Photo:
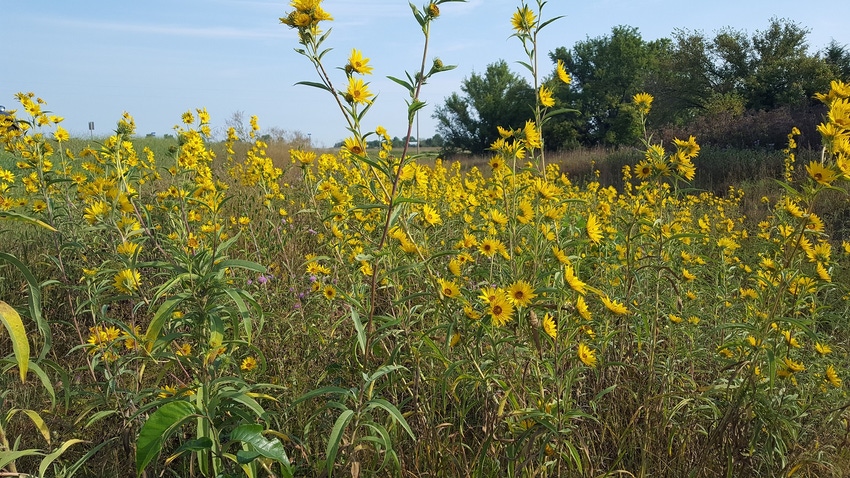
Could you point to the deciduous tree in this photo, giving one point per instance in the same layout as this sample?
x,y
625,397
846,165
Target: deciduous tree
x,y
499,97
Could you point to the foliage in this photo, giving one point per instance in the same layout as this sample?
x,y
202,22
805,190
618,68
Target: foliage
x,y
499,97
695,78
607,71
212,310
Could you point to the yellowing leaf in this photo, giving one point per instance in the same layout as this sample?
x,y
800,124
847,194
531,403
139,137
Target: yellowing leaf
x,y
20,345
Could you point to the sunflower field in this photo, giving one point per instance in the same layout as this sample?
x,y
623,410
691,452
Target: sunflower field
x,y
206,309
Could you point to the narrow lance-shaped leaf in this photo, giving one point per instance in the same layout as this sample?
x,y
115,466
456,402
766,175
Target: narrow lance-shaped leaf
x,y
20,345
49,459
314,85
336,436
23,218
34,301
162,314
401,82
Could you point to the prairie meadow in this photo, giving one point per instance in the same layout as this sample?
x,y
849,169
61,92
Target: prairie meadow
x,y
192,307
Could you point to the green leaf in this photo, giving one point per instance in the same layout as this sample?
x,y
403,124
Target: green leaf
x,y
47,460
336,437
236,296
320,391
371,162
314,85
558,111
30,220
162,314
20,345
574,455
244,457
72,470
547,22
383,370
415,106
242,264
527,66
420,18
248,401
198,444
158,428
394,413
401,82
46,381
361,331
216,327
99,416
252,434
401,199
7,457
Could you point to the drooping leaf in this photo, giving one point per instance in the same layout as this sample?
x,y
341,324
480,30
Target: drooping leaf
x,y
39,423
158,428
198,444
401,82
330,389
23,218
50,458
8,456
252,434
314,85
361,331
394,413
46,381
34,301
20,345
242,264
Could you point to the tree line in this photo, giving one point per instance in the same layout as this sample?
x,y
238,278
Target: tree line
x,y
730,89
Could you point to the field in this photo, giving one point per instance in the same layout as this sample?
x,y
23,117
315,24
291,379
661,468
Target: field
x,y
193,307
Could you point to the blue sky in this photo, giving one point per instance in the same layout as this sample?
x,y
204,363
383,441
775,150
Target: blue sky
x,y
93,59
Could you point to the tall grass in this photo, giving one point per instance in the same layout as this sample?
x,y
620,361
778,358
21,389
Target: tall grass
x,y
260,308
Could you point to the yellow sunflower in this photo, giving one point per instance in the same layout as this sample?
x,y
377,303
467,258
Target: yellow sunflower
x,y
586,355
521,293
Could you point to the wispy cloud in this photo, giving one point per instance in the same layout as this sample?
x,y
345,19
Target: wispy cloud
x,y
466,7
172,30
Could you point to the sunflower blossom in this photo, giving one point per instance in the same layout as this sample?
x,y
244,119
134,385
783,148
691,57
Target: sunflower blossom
x,y
614,306
523,20
358,92
521,293
549,326
127,281
594,230
501,310
562,73
358,64
546,98
643,102
832,377
586,355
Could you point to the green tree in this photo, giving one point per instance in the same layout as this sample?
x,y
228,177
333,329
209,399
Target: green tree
x,y
684,81
783,72
837,57
607,71
497,98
